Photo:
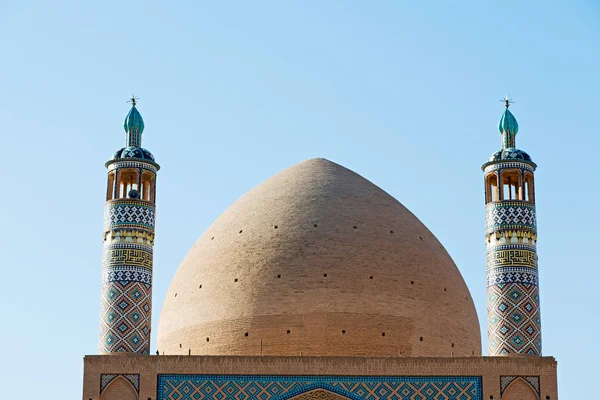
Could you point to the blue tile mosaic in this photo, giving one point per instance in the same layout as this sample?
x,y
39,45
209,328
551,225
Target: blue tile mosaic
x,y
246,387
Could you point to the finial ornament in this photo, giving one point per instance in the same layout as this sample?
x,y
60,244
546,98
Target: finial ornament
x,y
507,101
133,100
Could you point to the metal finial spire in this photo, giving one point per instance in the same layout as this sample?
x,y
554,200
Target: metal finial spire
x,y
133,100
507,101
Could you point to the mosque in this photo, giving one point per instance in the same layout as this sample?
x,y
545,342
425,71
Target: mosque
x,y
317,284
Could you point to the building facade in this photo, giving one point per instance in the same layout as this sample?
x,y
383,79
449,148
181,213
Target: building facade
x,y
317,284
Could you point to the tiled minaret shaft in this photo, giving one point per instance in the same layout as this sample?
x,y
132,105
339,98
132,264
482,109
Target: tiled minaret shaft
x,y
126,305
513,300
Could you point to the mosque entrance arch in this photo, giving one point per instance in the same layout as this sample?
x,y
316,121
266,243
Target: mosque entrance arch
x,y
119,389
519,389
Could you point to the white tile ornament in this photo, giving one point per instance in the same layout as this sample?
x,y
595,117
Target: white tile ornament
x,y
123,213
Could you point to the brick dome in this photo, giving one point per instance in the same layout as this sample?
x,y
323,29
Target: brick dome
x,y
319,261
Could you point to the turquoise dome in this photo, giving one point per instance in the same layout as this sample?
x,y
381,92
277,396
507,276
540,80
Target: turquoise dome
x,y
134,124
508,123
510,154
133,152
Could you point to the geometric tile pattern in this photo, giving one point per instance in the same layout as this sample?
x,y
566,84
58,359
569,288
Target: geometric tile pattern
x,y
245,387
533,381
507,215
126,273
513,301
128,213
514,324
106,379
125,317
503,275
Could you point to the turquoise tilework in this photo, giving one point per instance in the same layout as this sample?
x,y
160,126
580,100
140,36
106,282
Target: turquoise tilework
x,y
244,387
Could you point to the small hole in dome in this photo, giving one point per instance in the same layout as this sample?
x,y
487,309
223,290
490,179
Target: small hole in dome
x,y
246,334
445,290
179,345
420,238
371,277
241,231
412,282
207,339
288,331
473,352
343,331
382,333
391,231
421,338
235,280
279,276
547,397
315,225
199,286
491,397
355,227
212,238
275,227
325,275
452,344
175,294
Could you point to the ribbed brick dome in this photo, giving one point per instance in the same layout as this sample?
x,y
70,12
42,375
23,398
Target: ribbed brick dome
x,y
318,261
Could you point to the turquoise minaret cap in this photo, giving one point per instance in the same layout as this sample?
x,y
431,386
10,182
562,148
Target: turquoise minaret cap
x,y
508,127
134,126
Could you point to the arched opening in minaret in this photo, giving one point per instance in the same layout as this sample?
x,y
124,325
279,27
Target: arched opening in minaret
x,y
491,188
128,183
528,187
147,189
511,185
131,183
110,187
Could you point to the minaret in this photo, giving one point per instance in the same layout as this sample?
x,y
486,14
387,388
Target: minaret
x,y
510,229
126,305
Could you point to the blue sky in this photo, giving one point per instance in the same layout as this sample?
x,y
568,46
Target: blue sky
x,y
404,93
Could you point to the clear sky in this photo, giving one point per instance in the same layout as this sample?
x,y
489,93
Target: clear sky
x,y
404,93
